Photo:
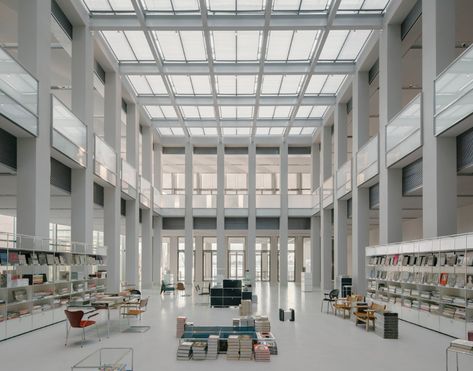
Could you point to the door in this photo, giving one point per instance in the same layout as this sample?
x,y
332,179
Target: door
x,y
236,263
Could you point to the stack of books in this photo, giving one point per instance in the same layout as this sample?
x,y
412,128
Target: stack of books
x,y
198,350
233,347
246,348
262,324
180,325
184,351
245,308
236,322
262,353
247,321
212,347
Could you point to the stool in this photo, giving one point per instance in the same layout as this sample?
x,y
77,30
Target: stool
x,y
287,315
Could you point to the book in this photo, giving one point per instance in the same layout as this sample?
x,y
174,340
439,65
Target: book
x,y
469,281
22,259
451,259
13,258
42,258
50,259
443,280
3,258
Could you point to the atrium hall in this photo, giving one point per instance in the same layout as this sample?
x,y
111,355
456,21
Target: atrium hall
x,y
236,181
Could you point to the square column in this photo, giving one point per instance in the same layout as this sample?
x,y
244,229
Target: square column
x,y
390,93
158,221
340,206
132,206
283,218
273,256
147,213
439,166
299,256
251,255
188,219
33,154
82,180
221,248
112,205
315,258
360,196
326,213
199,259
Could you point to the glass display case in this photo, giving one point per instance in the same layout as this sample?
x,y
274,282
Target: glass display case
x,y
107,359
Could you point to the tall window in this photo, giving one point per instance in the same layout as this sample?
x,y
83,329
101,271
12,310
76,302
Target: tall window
x,y
236,257
166,259
291,258
210,258
263,258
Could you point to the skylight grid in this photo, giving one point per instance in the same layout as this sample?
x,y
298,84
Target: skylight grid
x,y
344,45
362,6
232,6
128,45
270,112
173,131
181,46
171,6
197,112
205,131
240,131
236,84
299,130
305,112
291,45
301,5
325,84
236,112
232,46
281,84
147,85
109,6
273,131
156,112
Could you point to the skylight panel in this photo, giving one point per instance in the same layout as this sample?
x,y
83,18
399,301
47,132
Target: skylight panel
x,y
210,131
316,84
303,44
165,131
266,111
354,43
301,130
119,45
111,5
227,112
154,112
375,4
246,84
350,4
177,131
190,112
182,85
207,112
140,45
303,111
235,6
333,44
185,5
282,111
314,5
140,85
287,5
262,131
157,84
290,84
295,130
229,131
356,6
194,45
277,130
201,85
226,84
169,112
169,44
307,131
278,45
236,45
318,111
224,45
300,5
196,131
157,5
97,5
248,45
332,84
271,84
244,111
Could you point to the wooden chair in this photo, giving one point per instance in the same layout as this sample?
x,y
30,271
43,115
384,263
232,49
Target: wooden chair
x,y
134,309
74,320
346,304
367,313
329,298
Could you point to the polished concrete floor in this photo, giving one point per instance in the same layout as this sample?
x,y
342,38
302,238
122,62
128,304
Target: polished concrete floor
x,y
316,341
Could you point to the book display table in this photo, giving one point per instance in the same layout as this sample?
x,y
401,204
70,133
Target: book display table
x,y
107,359
458,347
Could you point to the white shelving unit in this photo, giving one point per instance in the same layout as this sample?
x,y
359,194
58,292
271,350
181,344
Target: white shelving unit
x,y
39,278
427,282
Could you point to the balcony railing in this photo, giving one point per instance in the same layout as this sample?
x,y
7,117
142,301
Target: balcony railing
x,y
344,179
156,199
300,201
69,135
404,132
204,201
327,192
239,201
172,201
316,200
454,92
145,192
367,161
105,161
18,94
128,179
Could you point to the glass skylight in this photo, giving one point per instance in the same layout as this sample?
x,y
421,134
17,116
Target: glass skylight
x,y
301,5
190,85
112,6
302,130
344,44
147,85
291,45
274,112
233,6
235,45
311,111
275,130
236,112
236,84
128,45
363,6
171,131
196,112
236,131
157,112
281,84
174,6
325,84
196,131
181,45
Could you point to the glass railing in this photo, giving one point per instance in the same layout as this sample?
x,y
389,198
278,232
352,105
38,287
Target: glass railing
x,y
128,179
172,201
237,201
204,201
403,132
316,200
454,92
145,192
344,179
156,200
69,133
105,161
18,94
367,161
300,201
327,192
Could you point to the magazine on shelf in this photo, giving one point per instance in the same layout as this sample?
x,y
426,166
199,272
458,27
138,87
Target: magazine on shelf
x,y
443,280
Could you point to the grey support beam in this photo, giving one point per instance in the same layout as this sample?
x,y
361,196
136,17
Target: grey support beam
x,y
147,213
188,219
251,255
221,248
283,218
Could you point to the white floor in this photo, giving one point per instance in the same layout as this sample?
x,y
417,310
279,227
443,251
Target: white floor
x,y
316,341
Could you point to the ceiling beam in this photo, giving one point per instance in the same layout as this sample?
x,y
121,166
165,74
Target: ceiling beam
x,y
193,22
235,100
202,68
237,123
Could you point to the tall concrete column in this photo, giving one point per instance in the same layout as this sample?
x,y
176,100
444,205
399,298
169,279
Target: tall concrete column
x,y
283,218
251,257
82,180
173,251
315,257
132,223
221,248
112,193
360,196
274,259
33,154
189,220
390,91
326,213
147,213
199,259
340,206
439,192
299,256
158,221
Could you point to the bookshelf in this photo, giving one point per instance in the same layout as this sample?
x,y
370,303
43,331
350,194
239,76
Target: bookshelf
x,y
427,282
38,278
